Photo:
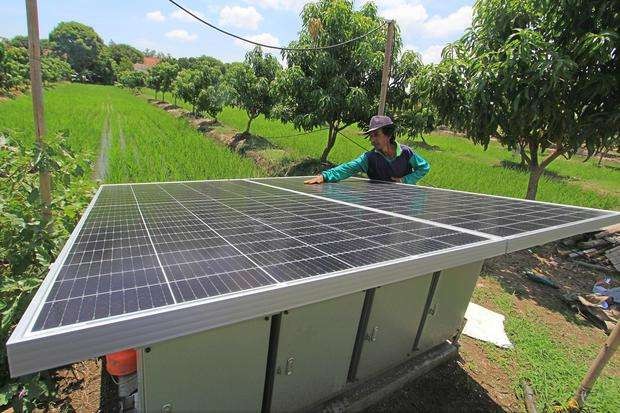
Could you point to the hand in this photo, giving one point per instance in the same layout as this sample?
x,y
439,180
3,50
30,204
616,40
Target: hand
x,y
399,180
316,180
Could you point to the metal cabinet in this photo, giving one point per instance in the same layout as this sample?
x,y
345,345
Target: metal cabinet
x,y
314,351
217,370
449,303
392,325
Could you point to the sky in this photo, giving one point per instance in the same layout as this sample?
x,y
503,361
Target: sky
x,y
426,26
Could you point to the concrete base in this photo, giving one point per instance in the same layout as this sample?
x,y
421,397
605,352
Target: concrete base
x,y
361,395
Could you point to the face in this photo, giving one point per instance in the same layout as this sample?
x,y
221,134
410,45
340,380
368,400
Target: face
x,y
379,140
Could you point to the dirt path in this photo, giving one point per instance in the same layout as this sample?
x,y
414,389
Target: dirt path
x,y
121,135
101,166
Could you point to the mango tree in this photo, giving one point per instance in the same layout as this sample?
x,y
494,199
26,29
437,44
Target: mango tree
x,y
202,89
250,84
161,76
538,76
410,109
336,87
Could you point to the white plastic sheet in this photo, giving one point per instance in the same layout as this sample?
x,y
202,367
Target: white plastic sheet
x,y
486,325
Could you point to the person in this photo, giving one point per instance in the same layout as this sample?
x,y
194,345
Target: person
x,y
389,161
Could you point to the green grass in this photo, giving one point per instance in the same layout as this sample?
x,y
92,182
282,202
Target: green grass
x,y
551,361
78,110
154,146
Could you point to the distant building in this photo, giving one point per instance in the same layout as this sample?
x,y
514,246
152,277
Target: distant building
x,y
146,64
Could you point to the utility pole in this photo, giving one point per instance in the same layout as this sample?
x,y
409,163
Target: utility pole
x,y
36,86
608,350
387,65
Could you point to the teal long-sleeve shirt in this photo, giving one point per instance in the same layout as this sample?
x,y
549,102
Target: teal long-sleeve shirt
x,y
419,166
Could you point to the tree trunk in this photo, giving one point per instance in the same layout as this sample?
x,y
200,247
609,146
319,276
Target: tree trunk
x,y
247,127
331,140
532,185
523,155
600,160
163,95
537,169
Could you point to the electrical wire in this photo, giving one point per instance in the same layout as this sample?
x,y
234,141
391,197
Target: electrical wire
x,y
287,49
297,134
366,149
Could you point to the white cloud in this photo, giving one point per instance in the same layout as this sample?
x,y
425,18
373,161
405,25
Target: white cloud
x,y
181,35
156,16
454,23
184,17
264,38
407,15
432,54
242,17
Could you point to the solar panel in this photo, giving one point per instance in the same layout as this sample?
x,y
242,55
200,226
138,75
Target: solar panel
x,y
167,259
513,219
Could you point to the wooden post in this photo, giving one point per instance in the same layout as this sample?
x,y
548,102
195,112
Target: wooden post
x,y
387,65
603,357
36,86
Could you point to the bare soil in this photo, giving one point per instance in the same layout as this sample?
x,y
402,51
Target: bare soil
x,y
101,166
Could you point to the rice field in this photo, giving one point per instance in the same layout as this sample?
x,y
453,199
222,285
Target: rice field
x,y
132,140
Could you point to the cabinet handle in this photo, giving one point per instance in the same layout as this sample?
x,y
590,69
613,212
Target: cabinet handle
x,y
373,335
432,310
290,362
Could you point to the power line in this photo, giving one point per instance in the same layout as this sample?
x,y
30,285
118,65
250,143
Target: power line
x,y
297,134
288,49
366,149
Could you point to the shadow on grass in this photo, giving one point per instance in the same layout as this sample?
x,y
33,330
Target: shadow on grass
x,y
518,167
422,145
244,142
448,388
307,167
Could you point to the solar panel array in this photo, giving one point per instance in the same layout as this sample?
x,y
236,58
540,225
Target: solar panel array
x,y
490,215
148,246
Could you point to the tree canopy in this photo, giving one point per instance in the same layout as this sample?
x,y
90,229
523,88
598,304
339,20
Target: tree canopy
x,y
202,89
251,84
161,76
335,87
80,45
411,110
537,75
120,51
